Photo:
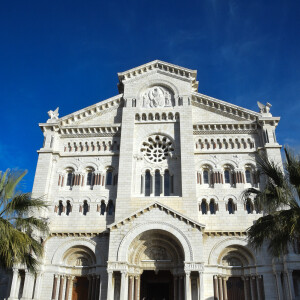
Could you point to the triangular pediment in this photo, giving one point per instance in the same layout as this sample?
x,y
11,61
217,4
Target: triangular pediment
x,y
160,66
221,110
101,113
160,206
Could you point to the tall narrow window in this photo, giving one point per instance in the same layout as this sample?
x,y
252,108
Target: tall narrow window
x,y
248,176
230,206
69,208
90,178
205,177
147,183
249,207
227,176
70,179
172,184
60,208
204,207
157,183
85,208
110,207
167,183
102,208
212,207
109,178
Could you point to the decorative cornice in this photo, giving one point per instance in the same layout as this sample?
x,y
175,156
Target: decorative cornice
x,y
161,206
224,233
78,234
181,72
224,128
224,108
89,112
90,131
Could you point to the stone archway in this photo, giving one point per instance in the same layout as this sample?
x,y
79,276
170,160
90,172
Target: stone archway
x,y
160,258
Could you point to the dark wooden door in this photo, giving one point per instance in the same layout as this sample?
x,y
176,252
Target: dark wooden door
x,y
80,288
235,288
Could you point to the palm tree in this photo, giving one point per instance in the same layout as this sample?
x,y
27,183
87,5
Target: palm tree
x,y
280,225
19,228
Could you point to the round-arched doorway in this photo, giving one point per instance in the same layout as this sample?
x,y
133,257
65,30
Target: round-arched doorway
x,y
160,258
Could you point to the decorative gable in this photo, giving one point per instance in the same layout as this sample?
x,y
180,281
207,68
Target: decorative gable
x,y
155,205
160,66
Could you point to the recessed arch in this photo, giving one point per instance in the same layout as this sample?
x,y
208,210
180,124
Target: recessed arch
x,y
161,226
219,249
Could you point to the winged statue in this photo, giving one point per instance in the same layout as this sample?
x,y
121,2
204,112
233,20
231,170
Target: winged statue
x,y
53,114
264,109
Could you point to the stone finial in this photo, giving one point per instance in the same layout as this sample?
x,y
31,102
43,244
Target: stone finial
x,y
264,109
53,115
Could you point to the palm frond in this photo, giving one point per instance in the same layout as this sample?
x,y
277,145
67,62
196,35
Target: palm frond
x,y
19,227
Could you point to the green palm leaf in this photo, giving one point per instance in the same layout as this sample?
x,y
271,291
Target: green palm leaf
x,y
20,229
279,200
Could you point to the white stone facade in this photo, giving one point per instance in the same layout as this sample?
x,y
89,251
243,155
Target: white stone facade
x,y
150,182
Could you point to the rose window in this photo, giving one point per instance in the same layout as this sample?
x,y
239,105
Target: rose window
x,y
157,148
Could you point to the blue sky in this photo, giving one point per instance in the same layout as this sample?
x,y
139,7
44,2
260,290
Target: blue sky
x,y
67,54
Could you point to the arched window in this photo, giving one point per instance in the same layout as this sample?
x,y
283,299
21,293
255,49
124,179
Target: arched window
x,y
70,178
248,176
205,177
230,206
69,208
85,208
109,177
110,207
147,183
249,206
204,207
90,180
102,208
60,208
167,183
212,207
157,183
227,176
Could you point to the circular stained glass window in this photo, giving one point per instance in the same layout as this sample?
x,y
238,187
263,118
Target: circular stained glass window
x,y
157,148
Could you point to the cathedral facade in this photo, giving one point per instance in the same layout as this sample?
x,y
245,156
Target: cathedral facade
x,y
145,194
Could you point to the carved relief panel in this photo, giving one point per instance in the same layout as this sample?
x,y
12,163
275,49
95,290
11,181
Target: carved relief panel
x,y
157,96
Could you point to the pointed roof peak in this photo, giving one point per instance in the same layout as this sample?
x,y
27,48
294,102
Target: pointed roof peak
x,y
156,204
162,66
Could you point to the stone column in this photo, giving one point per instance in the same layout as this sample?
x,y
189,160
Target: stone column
x,y
216,294
220,288
93,287
258,288
279,285
110,286
175,287
69,281
130,287
253,288
27,285
224,280
162,182
188,285
123,294
61,288
14,283
201,286
97,292
37,286
289,275
54,287
136,287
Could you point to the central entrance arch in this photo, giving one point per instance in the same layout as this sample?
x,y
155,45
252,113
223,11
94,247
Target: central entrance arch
x,y
160,258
